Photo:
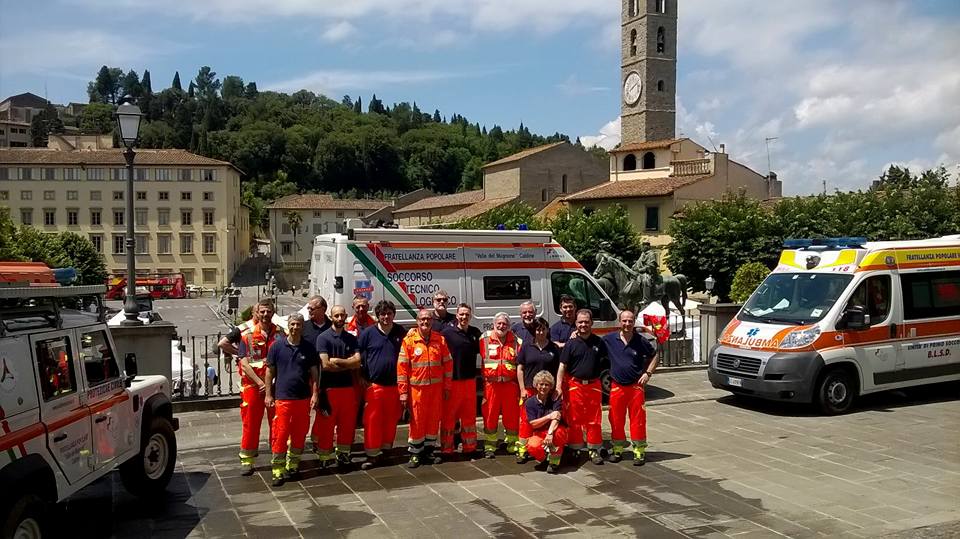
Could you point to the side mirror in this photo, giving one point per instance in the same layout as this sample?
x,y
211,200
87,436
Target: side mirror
x,y
130,367
854,318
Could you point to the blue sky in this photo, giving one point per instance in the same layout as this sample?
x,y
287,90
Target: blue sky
x,y
846,87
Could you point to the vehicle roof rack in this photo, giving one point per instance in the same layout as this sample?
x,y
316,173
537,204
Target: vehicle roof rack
x,y
49,312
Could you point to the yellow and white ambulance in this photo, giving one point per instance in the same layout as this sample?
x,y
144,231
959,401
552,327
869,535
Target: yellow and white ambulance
x,y
491,270
843,317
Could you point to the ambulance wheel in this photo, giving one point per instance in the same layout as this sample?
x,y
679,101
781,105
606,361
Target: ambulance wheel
x,y
835,392
148,473
25,519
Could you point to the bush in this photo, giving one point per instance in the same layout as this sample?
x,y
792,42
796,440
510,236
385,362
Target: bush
x,y
746,280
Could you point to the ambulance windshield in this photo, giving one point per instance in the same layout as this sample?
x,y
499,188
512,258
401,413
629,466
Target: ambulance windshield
x,y
794,298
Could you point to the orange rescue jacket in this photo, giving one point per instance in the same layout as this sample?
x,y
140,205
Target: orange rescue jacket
x,y
499,358
424,362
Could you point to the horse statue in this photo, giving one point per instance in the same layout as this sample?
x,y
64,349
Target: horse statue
x,y
626,286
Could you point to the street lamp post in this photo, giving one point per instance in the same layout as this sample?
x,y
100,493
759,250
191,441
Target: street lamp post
x,y
128,124
709,283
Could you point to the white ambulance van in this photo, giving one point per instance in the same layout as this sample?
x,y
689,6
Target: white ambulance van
x,y
491,270
68,413
844,317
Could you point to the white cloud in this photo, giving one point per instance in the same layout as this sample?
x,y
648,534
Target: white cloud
x,y
339,32
574,87
608,137
332,81
53,51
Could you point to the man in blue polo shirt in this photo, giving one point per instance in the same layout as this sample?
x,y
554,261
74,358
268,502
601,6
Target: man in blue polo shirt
x,y
379,349
292,389
581,362
339,360
566,327
632,362
526,328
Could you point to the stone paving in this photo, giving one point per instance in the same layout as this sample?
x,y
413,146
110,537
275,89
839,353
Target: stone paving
x,y
717,467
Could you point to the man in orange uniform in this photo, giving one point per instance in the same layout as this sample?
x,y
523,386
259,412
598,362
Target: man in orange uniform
x,y
339,361
501,392
292,369
463,341
361,318
252,353
424,380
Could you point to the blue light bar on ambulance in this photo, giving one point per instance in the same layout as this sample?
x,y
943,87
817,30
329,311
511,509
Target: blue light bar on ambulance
x,y
825,243
65,276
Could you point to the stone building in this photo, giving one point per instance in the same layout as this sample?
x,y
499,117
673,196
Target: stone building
x,y
187,212
535,177
654,173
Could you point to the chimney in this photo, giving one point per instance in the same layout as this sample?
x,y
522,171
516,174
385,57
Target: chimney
x,y
723,148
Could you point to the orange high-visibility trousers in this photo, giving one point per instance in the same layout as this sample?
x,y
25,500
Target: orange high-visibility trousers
x,y
380,417
500,399
291,422
627,399
536,448
425,403
342,418
584,413
461,406
252,410
525,429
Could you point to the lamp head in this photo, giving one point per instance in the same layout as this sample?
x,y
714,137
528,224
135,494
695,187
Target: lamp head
x,y
128,123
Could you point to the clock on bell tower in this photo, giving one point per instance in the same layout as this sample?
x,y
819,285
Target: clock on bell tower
x,y
648,68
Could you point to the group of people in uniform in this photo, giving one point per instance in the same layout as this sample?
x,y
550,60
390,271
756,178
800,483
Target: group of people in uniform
x,y
541,382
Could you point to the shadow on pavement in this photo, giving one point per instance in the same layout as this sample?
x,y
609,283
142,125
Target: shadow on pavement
x,y
883,401
652,393
106,509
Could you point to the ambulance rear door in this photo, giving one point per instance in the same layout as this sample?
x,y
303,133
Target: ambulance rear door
x,y
502,276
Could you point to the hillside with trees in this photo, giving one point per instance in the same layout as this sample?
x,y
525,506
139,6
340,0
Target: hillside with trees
x,y
308,142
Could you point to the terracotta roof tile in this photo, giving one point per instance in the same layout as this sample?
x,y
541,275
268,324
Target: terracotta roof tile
x,y
479,208
443,201
114,157
312,201
648,145
525,153
648,187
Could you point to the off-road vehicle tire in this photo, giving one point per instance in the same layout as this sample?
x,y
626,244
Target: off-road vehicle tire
x,y
148,473
25,518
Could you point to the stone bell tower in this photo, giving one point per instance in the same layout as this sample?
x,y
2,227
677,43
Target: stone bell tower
x,y
648,69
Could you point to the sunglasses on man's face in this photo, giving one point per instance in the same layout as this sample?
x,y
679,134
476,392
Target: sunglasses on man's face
x,y
440,300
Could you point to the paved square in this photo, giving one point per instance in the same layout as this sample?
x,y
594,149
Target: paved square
x,y
716,467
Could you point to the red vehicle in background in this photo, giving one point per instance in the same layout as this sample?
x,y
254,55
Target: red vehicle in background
x,y
159,286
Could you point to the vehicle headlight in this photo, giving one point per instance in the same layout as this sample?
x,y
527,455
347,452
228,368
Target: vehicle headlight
x,y
800,338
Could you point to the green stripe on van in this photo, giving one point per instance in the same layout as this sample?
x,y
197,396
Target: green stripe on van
x,y
391,287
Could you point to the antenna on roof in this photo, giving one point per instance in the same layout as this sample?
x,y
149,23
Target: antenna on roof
x,y
767,142
712,144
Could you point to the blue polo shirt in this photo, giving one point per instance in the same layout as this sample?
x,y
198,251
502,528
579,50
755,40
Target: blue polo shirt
x,y
584,358
378,354
292,364
311,330
536,409
628,361
464,348
524,334
562,330
535,359
343,345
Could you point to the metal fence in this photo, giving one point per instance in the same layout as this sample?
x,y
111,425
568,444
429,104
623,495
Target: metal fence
x,y
200,370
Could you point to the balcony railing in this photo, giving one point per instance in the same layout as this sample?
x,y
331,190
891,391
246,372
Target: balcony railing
x,y
691,167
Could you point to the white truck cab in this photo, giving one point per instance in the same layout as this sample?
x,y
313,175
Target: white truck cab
x,y
843,317
69,413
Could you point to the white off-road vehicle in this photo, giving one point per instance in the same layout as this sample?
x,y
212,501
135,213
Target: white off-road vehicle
x,y
68,414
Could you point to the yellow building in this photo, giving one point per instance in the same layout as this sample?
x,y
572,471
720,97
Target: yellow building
x,y
187,212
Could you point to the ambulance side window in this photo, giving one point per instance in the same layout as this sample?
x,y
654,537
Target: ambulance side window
x,y
55,365
584,292
98,359
507,287
930,295
874,295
